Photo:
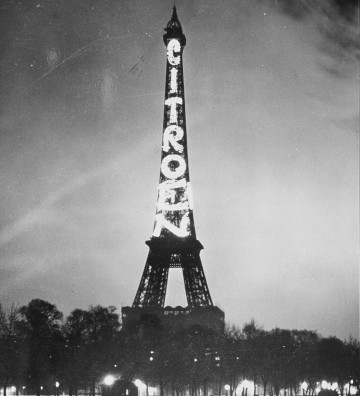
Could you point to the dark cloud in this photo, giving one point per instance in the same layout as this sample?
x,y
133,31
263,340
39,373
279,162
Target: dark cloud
x,y
341,38
299,9
294,8
348,9
337,21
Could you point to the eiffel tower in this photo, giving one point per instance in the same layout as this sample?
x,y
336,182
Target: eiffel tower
x,y
173,243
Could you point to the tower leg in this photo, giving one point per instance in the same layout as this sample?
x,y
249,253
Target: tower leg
x,y
197,291
152,288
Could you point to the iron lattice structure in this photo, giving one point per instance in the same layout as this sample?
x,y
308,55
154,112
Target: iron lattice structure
x,y
173,243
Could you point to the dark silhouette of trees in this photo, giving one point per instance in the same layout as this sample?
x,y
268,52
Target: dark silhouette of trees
x,y
76,329
306,364
233,360
253,351
13,348
91,340
37,349
41,322
336,360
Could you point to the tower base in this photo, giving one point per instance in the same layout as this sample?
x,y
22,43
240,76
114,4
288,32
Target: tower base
x,y
135,319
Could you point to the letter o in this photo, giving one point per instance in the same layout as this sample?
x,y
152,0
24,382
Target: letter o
x,y
173,173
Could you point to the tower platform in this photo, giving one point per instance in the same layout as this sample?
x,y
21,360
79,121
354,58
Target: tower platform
x,y
135,318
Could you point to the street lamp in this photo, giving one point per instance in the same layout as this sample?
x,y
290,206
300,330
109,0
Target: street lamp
x,y
140,386
227,388
109,380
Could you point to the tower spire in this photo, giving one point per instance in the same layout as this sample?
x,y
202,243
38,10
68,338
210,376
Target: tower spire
x,y
173,29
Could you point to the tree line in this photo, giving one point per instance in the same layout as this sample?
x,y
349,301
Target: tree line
x,y
43,353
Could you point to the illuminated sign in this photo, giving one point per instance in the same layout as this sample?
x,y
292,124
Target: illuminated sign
x,y
172,134
173,47
173,80
172,102
174,199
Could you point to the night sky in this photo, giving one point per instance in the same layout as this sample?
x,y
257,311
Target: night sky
x,y
272,97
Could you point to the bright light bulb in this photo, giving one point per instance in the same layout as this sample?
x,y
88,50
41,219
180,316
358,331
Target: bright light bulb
x,y
109,380
304,386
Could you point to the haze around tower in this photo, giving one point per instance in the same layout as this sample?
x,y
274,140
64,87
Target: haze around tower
x,y
272,118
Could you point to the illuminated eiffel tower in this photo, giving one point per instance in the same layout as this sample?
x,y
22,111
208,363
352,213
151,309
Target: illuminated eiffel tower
x,y
173,243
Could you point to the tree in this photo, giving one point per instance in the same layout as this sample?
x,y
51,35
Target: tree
x,y
41,322
338,361
76,329
91,340
281,347
234,357
13,349
253,334
353,363
306,365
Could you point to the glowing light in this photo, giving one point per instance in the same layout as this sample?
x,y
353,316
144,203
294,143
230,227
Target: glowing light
x,y
190,196
246,384
350,388
173,80
172,102
172,135
167,193
172,47
304,386
325,384
334,386
109,380
151,390
161,222
227,387
174,207
57,384
138,383
172,172
174,193
13,388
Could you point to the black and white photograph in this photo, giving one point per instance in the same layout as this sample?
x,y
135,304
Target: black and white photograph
x,y
179,200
